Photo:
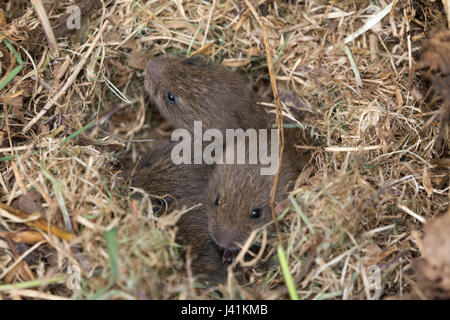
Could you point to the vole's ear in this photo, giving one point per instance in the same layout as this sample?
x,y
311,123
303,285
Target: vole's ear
x,y
195,61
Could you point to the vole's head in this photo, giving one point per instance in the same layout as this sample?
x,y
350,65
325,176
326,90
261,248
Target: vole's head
x,y
192,89
237,201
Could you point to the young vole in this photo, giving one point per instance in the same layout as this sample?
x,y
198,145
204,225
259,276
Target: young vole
x,y
205,255
159,176
192,89
181,186
237,201
236,197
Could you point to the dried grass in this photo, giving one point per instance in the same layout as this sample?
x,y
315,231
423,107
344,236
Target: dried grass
x,y
373,179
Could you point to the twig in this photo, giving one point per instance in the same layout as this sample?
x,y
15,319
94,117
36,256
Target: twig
x,y
68,83
208,23
48,31
39,223
19,260
279,118
369,24
122,140
412,213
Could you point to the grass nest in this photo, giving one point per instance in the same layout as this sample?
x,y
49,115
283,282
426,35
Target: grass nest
x,y
376,101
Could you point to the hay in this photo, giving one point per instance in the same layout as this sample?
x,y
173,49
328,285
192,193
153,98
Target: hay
x,y
373,179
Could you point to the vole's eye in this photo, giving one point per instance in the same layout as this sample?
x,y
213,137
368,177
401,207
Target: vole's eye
x,y
256,213
216,202
171,97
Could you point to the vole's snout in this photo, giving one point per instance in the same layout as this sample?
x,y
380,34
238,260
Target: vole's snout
x,y
226,239
154,69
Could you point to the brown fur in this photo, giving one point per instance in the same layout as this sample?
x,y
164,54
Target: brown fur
x,y
181,185
234,191
239,190
206,256
221,99
159,176
203,91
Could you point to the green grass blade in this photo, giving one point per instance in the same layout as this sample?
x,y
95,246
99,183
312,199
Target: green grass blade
x,y
33,283
302,215
57,189
7,158
353,65
76,133
286,273
16,70
111,244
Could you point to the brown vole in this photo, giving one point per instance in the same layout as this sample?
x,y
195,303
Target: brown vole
x,y
181,186
159,176
206,256
237,201
192,89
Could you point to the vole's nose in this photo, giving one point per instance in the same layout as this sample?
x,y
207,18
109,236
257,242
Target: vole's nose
x,y
154,69
227,238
